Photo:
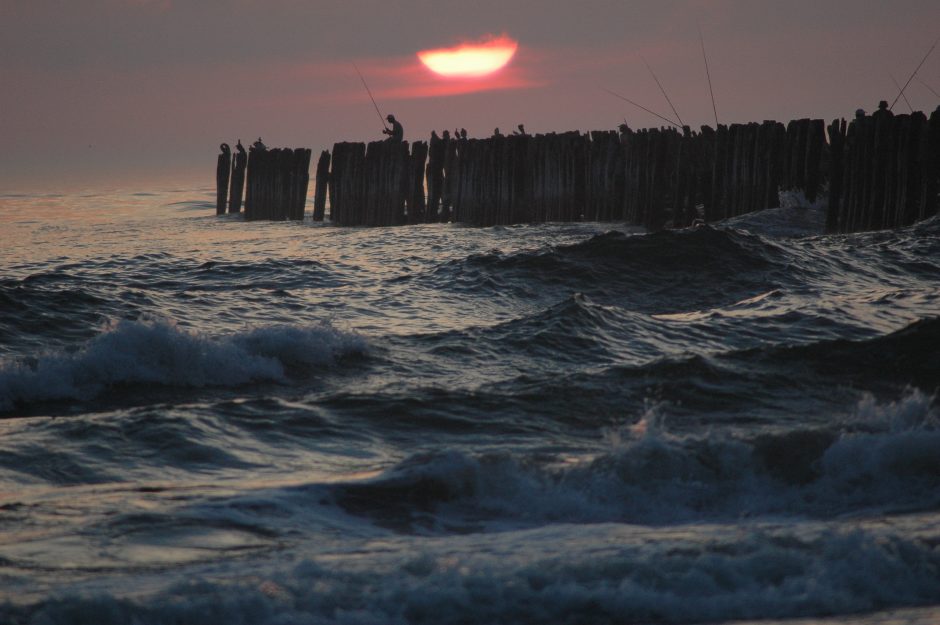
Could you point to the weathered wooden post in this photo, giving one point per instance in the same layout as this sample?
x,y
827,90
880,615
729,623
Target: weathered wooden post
x,y
834,213
320,186
415,183
931,159
222,172
237,186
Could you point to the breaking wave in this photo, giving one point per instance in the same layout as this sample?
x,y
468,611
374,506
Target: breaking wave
x,y
158,352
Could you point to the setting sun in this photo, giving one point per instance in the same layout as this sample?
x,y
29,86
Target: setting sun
x,y
470,59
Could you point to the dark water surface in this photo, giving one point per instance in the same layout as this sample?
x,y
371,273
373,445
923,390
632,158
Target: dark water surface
x,y
204,420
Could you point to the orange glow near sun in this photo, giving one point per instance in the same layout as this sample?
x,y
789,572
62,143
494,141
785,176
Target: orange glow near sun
x,y
470,60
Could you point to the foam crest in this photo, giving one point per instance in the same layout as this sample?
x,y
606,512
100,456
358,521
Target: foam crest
x,y
649,475
158,352
670,579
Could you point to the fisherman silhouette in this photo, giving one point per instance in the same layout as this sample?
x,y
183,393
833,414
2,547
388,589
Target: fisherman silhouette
x,y
396,132
259,145
882,112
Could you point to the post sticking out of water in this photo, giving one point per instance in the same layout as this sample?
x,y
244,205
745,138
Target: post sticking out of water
x,y
222,172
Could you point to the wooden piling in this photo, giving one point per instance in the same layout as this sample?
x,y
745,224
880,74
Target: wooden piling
x,y
222,173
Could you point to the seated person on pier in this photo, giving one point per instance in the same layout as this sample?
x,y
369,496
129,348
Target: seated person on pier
x,y
396,132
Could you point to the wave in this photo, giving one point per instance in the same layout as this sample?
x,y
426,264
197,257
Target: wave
x,y
670,270
885,457
796,217
617,575
158,352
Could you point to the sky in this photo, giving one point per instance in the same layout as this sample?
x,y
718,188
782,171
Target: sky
x,y
141,92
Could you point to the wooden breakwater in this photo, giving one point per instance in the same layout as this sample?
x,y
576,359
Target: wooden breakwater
x,y
880,171
887,171
658,177
274,182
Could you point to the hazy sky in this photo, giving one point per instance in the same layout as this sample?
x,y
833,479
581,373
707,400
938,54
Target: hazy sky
x,y
118,91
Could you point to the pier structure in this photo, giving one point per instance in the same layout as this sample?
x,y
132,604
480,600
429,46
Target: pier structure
x,y
878,171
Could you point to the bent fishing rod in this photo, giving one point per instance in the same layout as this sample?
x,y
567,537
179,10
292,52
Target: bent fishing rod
x,y
660,85
369,91
640,106
921,64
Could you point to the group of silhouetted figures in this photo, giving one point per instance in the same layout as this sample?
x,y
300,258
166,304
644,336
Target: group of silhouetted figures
x,y
397,132
241,154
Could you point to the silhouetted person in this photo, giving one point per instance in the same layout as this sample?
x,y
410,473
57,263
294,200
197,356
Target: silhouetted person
x,y
240,148
259,145
882,112
396,132
226,151
624,129
496,132
446,135
520,132
859,113
463,133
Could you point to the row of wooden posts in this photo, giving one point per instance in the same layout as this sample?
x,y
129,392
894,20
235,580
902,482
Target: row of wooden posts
x,y
276,187
881,171
657,177
890,168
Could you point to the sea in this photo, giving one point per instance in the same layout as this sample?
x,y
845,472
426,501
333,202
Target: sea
x,y
206,421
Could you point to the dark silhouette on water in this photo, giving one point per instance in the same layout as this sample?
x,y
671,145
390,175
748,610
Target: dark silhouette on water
x,y
222,174
236,188
396,133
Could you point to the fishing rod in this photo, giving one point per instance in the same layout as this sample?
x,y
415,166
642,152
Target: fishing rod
x,y
708,74
922,61
665,95
640,106
369,91
932,90
902,93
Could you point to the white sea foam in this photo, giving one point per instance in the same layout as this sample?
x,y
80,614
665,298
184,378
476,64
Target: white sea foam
x,y
795,217
599,574
886,457
158,352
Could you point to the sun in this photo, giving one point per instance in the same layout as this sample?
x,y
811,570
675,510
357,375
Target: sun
x,y
470,60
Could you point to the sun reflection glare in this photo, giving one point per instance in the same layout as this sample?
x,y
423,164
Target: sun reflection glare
x,y
470,59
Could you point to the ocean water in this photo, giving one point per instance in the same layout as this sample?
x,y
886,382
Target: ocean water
x,y
204,420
